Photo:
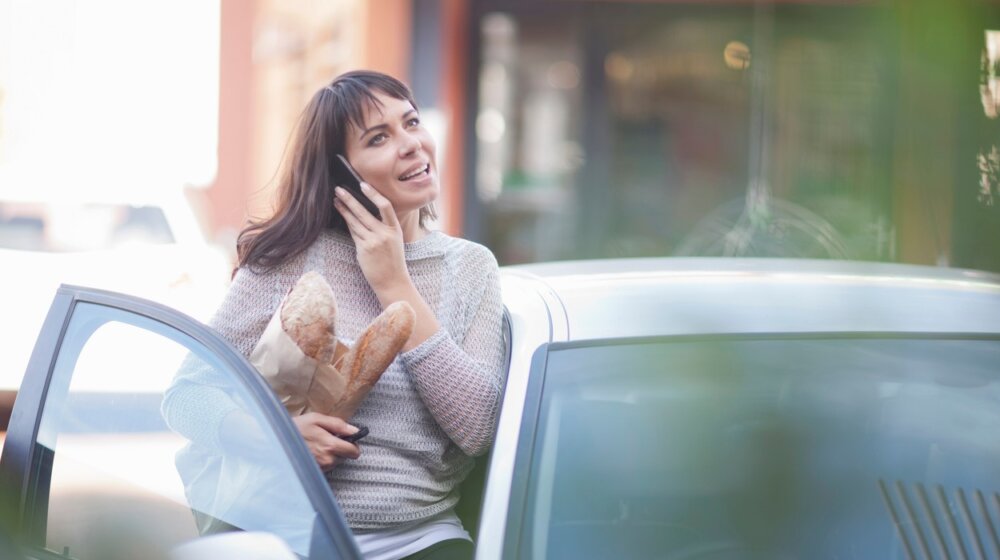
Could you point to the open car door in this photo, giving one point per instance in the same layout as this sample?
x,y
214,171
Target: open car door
x,y
123,444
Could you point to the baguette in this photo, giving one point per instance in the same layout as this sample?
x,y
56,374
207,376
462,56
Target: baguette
x,y
343,375
376,348
308,317
339,389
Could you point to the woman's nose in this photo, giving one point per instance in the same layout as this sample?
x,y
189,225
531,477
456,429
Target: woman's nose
x,y
411,143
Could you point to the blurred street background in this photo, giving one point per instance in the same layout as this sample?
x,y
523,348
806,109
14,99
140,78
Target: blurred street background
x,y
137,137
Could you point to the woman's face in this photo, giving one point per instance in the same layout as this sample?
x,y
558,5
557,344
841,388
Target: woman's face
x,y
395,154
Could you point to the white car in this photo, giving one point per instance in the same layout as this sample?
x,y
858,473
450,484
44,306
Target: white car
x,y
149,246
702,409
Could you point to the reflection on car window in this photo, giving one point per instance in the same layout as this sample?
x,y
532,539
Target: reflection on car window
x,y
777,448
124,484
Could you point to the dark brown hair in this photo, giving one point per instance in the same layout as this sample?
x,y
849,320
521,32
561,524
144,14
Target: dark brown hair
x,y
305,191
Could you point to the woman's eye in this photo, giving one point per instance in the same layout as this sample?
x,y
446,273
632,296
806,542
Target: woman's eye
x,y
413,122
377,139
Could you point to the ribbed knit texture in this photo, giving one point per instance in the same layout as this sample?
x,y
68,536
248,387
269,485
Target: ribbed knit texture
x,y
433,408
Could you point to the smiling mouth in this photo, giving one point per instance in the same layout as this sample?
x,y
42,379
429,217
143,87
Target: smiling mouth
x,y
418,173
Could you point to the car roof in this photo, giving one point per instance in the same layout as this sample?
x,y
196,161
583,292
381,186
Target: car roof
x,y
610,298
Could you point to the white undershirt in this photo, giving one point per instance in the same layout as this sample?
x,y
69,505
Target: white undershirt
x,y
396,543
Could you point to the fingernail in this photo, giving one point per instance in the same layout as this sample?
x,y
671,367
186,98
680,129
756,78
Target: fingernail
x,y
365,187
338,191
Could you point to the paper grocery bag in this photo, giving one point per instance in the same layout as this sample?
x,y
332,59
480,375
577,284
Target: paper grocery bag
x,y
301,383
328,391
286,367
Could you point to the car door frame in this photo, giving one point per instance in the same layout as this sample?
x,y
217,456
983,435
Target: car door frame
x,y
23,466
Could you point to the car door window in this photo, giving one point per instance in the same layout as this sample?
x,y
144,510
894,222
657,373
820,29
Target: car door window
x,y
766,447
151,441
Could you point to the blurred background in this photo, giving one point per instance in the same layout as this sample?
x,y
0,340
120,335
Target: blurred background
x,y
137,138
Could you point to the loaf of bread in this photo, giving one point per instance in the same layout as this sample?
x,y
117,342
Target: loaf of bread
x,y
343,375
339,389
308,315
376,348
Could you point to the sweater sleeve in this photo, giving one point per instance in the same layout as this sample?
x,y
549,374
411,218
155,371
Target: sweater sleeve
x,y
201,395
461,379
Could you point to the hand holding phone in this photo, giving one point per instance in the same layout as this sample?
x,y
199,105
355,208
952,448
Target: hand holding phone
x,y
346,177
353,438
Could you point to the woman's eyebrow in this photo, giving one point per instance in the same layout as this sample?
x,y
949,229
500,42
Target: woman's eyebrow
x,y
367,130
383,126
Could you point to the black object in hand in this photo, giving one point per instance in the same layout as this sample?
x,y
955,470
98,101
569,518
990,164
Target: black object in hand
x,y
362,432
346,177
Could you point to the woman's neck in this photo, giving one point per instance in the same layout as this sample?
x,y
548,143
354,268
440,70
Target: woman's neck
x,y
410,224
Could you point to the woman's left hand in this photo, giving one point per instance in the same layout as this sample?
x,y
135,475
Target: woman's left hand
x,y
379,242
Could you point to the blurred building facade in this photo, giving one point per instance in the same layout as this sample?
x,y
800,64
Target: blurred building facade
x,y
581,128
274,56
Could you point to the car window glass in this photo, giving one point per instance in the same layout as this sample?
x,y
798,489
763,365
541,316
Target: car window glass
x,y
781,448
135,474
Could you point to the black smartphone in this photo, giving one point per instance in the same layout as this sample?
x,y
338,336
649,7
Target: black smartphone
x,y
353,438
345,176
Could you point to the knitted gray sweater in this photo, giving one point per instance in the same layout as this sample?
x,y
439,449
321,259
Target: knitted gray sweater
x,y
433,408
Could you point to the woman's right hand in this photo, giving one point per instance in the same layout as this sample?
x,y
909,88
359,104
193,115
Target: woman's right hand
x,y
379,242
320,432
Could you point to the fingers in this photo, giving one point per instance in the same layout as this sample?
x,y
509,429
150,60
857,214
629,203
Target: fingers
x,y
320,434
343,449
332,424
385,208
354,207
357,229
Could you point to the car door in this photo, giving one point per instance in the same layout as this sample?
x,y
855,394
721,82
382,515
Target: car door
x,y
138,430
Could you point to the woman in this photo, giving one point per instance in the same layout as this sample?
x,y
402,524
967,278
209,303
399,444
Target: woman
x,y
435,407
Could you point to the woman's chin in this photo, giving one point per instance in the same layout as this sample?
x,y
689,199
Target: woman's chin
x,y
414,207
429,194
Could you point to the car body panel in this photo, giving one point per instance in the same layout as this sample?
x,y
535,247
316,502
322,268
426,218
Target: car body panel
x,y
628,298
644,297
534,313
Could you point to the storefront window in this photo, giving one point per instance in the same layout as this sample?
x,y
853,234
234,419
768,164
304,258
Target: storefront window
x,y
766,129
528,133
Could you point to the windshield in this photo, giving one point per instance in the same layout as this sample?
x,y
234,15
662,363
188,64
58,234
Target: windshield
x,y
763,448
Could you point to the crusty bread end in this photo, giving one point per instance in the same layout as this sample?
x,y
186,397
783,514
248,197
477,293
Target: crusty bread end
x,y
376,348
308,315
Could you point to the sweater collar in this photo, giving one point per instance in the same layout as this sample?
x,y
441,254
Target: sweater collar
x,y
431,245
